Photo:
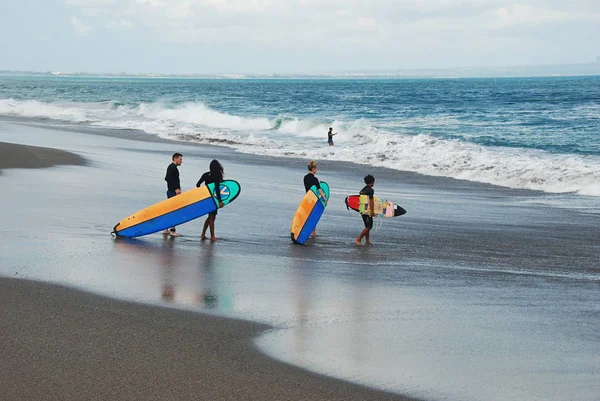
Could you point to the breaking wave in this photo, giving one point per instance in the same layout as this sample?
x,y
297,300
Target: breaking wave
x,y
358,141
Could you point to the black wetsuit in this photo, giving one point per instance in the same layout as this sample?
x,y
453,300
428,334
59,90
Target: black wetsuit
x,y
368,219
207,178
172,179
310,180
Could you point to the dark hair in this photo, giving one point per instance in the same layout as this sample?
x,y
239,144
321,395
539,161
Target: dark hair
x,y
369,179
216,170
176,155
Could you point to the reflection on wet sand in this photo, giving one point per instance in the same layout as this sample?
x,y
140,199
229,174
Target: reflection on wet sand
x,y
311,296
208,296
168,269
186,272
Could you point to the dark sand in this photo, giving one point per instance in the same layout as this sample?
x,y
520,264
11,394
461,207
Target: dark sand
x,y
62,344
519,322
23,156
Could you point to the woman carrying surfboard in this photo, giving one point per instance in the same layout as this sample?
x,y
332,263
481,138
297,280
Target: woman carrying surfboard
x,y
309,181
215,175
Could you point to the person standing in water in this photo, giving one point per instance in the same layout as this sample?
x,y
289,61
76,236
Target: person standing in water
x,y
215,175
330,135
309,181
367,218
173,184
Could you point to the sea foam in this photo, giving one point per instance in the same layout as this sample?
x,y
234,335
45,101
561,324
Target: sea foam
x,y
358,141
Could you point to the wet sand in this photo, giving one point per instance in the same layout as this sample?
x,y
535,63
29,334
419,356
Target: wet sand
x,y
25,156
62,344
477,293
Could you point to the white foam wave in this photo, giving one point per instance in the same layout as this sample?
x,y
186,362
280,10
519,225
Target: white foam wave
x,y
357,141
33,108
197,113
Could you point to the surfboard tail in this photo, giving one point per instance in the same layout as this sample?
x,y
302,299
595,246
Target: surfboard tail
x,y
114,232
294,239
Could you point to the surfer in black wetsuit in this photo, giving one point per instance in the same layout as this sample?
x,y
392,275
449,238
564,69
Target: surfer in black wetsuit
x,y
367,218
173,184
330,135
309,181
215,175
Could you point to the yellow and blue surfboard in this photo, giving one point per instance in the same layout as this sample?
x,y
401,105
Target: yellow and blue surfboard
x,y
177,210
308,214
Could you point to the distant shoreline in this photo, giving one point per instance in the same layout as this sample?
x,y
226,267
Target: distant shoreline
x,y
526,71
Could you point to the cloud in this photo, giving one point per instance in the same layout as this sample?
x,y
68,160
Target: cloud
x,y
120,25
391,27
81,29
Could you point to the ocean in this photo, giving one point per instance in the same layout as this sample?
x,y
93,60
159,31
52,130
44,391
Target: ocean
x,y
530,133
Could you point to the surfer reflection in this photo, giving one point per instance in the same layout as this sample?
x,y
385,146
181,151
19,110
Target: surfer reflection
x,y
207,297
301,292
152,256
168,269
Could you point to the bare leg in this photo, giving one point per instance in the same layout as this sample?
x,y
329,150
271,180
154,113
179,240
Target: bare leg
x,y
367,237
364,232
212,227
203,236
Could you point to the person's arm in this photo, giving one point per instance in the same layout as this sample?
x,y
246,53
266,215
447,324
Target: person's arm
x,y
201,180
218,191
321,192
177,182
372,205
323,195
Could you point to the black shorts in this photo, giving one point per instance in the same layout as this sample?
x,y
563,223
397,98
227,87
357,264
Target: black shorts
x,y
368,220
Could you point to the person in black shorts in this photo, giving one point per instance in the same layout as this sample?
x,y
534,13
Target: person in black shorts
x,y
215,175
367,218
330,135
173,184
309,181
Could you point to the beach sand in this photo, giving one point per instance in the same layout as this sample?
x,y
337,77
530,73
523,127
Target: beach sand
x,y
62,344
25,156
478,292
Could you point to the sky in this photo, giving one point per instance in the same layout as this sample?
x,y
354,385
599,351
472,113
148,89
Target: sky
x,y
293,36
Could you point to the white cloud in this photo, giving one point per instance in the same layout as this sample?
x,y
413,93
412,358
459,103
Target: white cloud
x,y
120,25
402,29
81,29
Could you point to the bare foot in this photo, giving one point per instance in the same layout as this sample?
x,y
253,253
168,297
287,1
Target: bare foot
x,y
174,234
368,243
213,239
357,242
202,237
